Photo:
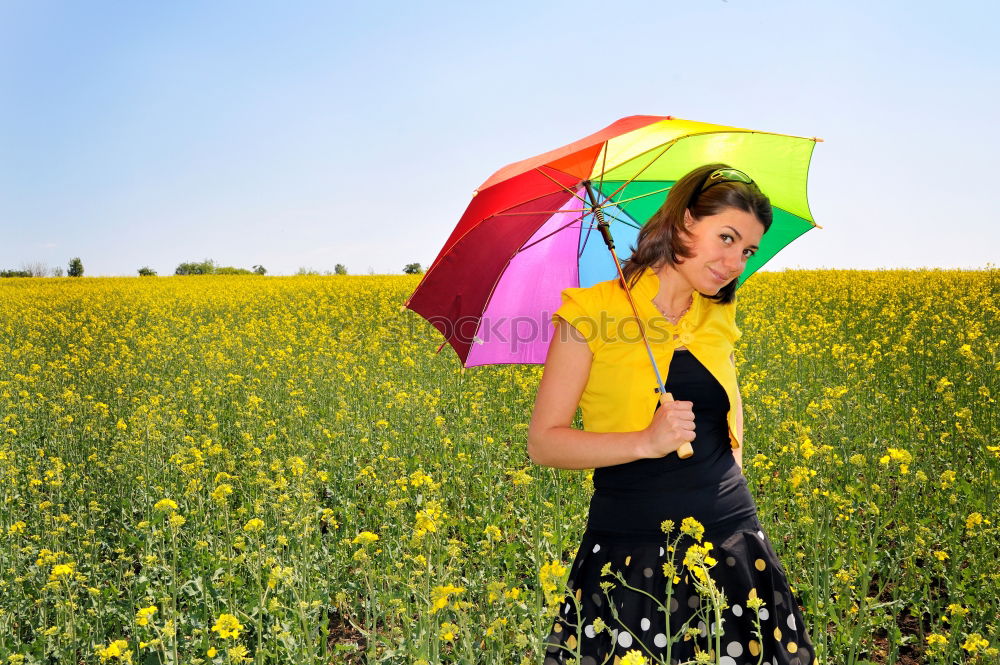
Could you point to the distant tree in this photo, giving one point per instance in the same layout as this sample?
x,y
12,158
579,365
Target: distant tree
x,y
35,269
75,267
306,272
57,271
14,273
340,269
230,270
146,271
413,269
259,270
206,267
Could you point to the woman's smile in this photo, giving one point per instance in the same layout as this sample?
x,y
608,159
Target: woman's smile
x,y
719,278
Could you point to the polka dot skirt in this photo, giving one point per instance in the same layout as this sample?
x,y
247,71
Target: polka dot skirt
x,y
746,567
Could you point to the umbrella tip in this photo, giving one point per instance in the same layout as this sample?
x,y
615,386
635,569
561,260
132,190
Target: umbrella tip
x,y
817,139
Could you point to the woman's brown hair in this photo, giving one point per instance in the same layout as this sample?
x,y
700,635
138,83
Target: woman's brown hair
x,y
661,239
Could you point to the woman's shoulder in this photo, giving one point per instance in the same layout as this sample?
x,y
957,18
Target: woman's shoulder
x,y
593,298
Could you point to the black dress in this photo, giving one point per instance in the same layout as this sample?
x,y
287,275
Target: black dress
x,y
624,533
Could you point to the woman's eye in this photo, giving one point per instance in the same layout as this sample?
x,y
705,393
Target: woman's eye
x,y
748,253
726,236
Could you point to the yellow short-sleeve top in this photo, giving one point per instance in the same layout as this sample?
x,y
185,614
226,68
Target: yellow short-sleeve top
x,y
620,392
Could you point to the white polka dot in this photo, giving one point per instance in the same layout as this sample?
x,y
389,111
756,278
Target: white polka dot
x,y
791,621
566,609
715,628
726,660
589,631
661,551
597,548
764,614
737,610
644,624
625,639
734,649
660,640
702,628
760,534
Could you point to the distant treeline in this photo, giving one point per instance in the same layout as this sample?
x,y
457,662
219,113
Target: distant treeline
x,y
42,270
204,267
208,267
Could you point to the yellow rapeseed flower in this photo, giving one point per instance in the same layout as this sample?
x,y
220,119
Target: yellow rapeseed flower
x,y
428,519
254,525
692,527
117,649
448,631
974,642
633,657
144,614
227,625
221,491
62,570
365,538
440,595
164,505
238,654
974,520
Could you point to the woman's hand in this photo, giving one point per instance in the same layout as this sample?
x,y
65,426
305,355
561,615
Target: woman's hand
x,y
671,427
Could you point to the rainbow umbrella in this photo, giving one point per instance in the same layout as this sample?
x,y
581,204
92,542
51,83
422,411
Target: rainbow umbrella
x,y
531,230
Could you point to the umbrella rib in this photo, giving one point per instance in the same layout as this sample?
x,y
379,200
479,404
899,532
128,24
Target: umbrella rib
x,y
634,198
556,212
640,171
583,245
537,212
580,198
549,235
573,221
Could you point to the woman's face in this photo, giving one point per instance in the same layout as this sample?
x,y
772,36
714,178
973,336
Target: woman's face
x,y
721,245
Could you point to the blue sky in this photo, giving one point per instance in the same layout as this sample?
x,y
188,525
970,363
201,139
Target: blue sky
x,y
306,134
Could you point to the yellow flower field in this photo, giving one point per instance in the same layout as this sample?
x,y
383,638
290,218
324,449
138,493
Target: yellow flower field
x,y
282,470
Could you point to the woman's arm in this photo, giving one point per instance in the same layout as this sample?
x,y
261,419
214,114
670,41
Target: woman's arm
x,y
553,442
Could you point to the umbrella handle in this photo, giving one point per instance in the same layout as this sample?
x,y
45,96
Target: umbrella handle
x,y
685,450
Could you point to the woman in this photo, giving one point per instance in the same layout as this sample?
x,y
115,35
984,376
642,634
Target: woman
x,y
682,277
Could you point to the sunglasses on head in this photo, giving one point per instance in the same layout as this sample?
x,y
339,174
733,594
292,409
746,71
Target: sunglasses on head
x,y
719,176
